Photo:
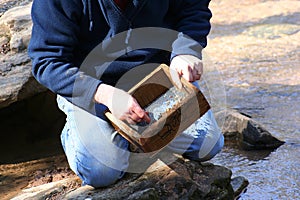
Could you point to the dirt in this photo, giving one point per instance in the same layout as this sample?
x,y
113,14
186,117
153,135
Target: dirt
x,y
33,173
253,44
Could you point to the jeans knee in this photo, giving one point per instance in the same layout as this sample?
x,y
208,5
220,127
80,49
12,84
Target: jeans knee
x,y
194,153
216,149
99,175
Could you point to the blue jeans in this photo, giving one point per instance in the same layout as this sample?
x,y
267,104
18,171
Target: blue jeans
x,y
100,156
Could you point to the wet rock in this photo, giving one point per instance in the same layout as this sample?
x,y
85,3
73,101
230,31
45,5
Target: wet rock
x,y
239,185
246,131
182,179
149,193
16,80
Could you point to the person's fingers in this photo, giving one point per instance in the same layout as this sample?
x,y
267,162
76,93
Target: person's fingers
x,y
137,113
136,109
197,77
130,120
187,73
188,67
197,72
146,118
130,117
199,67
175,78
135,117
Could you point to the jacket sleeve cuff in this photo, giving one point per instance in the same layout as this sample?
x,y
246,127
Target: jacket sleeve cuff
x,y
84,92
187,46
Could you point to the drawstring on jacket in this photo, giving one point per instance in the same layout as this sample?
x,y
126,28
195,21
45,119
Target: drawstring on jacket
x,y
129,31
128,35
90,14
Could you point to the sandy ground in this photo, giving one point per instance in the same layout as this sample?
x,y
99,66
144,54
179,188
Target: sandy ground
x,y
14,177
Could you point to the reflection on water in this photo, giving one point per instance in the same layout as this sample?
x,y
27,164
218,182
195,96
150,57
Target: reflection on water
x,y
275,174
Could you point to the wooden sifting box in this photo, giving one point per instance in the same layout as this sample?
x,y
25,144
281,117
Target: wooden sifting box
x,y
185,110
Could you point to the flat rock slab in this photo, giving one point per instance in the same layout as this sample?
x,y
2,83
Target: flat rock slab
x,y
48,190
181,179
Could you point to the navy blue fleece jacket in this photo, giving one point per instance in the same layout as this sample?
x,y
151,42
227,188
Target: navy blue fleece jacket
x,y
66,31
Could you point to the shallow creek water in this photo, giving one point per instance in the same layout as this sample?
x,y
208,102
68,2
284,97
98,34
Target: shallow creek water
x,y
271,174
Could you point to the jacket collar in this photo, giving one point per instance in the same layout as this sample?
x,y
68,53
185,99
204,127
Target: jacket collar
x,y
112,12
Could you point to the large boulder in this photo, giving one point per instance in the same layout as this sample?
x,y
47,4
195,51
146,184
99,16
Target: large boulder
x,y
16,80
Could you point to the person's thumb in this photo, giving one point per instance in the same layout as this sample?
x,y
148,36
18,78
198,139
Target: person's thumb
x,y
175,78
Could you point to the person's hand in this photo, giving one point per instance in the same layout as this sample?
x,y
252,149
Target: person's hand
x,y
187,66
121,104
